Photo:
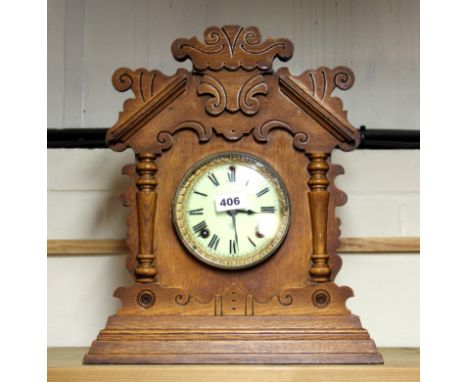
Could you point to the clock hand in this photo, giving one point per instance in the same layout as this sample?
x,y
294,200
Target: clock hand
x,y
233,215
248,212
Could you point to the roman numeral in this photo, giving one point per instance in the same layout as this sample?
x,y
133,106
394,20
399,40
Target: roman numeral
x,y
232,247
270,210
197,211
251,241
263,192
198,228
213,244
232,174
200,193
213,179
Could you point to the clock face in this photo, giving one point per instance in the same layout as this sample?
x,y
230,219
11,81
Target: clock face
x,y
231,210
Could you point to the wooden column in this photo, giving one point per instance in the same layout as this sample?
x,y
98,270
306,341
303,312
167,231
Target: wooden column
x,y
318,206
146,198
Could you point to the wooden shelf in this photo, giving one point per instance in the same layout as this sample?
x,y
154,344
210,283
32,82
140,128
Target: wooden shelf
x,y
348,245
65,364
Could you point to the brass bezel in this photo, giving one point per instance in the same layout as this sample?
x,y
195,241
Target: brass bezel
x,y
183,191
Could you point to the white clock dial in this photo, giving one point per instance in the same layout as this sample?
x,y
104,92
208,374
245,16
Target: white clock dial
x,y
231,210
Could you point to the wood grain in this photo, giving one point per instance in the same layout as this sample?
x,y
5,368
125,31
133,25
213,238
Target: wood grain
x,y
349,245
379,245
65,364
86,247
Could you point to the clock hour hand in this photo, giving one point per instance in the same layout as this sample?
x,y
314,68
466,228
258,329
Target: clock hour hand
x,y
248,212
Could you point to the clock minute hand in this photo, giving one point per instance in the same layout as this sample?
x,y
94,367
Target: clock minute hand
x,y
233,215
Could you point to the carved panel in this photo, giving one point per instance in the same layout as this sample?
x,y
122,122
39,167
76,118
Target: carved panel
x,y
232,47
154,299
234,302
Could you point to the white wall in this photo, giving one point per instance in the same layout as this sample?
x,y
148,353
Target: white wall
x,y
88,40
377,39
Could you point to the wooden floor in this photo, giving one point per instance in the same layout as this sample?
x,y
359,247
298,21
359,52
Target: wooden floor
x,y
65,364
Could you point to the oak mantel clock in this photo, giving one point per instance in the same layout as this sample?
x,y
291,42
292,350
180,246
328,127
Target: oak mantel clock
x,y
232,229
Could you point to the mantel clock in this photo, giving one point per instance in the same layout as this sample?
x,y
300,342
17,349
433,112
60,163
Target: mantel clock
x,y
232,229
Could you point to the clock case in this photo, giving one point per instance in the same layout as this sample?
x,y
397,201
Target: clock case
x,y
287,309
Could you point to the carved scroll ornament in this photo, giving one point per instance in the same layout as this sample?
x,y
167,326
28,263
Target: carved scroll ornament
x,y
232,47
228,93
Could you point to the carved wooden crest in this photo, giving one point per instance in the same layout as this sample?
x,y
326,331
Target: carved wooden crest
x,y
232,74
232,47
232,100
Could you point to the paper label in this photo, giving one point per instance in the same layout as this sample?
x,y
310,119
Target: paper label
x,y
231,201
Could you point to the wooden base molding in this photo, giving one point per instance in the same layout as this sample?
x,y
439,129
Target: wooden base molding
x,y
309,325
233,340
348,245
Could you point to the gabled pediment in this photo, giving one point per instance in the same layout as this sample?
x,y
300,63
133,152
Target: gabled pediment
x,y
233,91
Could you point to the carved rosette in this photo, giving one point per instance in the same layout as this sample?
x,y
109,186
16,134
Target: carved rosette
x,y
232,47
